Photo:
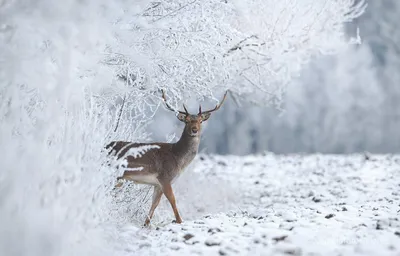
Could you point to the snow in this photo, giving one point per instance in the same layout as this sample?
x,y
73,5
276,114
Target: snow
x,y
279,205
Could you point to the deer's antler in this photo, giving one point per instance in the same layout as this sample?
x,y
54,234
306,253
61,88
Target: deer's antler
x,y
216,107
171,108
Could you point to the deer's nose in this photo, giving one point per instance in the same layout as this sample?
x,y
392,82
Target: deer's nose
x,y
195,129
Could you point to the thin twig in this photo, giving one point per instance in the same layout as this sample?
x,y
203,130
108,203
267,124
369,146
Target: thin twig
x,y
240,45
155,5
175,11
120,113
235,99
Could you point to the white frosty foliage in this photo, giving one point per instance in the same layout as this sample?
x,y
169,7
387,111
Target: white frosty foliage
x,y
253,48
68,69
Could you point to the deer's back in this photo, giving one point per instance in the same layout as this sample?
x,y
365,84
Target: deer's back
x,y
160,159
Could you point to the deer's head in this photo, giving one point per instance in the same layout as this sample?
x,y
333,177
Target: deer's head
x,y
193,122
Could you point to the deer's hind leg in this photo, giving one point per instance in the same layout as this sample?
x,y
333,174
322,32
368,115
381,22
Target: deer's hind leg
x,y
157,193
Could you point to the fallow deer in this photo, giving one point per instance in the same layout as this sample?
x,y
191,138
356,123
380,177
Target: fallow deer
x,y
163,163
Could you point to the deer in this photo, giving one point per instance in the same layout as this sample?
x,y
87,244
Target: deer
x,y
160,165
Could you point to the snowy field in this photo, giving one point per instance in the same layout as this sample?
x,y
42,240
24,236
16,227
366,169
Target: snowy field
x,y
279,205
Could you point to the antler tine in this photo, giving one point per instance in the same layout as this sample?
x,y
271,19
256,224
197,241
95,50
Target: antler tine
x,y
169,107
184,107
199,110
218,106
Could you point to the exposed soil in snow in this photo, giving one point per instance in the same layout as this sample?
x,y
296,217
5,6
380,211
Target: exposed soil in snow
x,y
282,205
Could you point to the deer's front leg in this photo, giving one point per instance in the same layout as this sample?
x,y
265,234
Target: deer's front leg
x,y
157,193
167,190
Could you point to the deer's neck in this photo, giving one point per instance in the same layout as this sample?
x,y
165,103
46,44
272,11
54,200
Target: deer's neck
x,y
186,147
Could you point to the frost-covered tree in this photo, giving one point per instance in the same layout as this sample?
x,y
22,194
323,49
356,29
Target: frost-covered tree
x,y
202,47
68,68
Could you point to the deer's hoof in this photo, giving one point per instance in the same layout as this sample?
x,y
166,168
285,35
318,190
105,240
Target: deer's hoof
x,y
177,221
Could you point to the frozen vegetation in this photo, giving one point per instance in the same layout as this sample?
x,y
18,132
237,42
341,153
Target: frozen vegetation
x,y
78,74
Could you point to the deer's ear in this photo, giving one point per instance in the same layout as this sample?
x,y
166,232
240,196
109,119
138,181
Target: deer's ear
x,y
181,117
205,116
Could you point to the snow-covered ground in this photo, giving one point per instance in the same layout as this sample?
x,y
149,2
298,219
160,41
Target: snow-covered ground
x,y
279,205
